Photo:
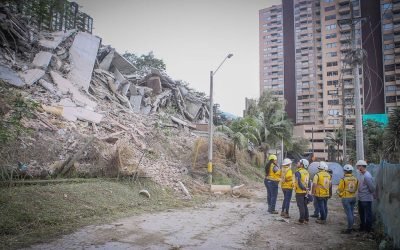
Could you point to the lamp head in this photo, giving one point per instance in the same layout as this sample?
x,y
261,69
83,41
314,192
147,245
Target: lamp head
x,y
230,55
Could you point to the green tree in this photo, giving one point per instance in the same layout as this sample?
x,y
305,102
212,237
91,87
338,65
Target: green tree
x,y
373,141
274,123
298,147
392,137
145,61
334,141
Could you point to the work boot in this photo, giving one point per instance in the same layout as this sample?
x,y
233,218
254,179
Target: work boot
x,y
299,222
283,214
274,212
320,221
314,216
306,221
286,215
346,231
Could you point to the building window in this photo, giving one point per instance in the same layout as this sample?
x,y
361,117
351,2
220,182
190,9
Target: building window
x,y
330,27
332,92
328,1
388,57
388,46
332,35
388,37
388,26
331,64
330,17
333,121
334,82
387,6
331,54
390,99
333,102
333,112
331,45
329,8
331,73
391,88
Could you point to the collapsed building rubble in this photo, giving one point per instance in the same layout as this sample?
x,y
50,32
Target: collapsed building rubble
x,y
92,88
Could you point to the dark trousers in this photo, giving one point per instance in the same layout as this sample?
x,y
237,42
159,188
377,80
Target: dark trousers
x,y
303,209
287,196
365,211
316,209
272,193
323,207
348,205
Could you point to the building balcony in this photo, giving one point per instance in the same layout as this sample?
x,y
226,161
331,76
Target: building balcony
x,y
345,28
344,2
396,7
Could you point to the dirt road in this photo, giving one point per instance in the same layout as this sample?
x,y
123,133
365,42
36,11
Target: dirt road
x,y
228,224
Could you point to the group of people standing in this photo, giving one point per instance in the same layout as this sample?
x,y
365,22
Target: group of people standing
x,y
319,190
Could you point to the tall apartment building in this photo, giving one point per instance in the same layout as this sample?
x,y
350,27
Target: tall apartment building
x,y
390,15
322,44
271,50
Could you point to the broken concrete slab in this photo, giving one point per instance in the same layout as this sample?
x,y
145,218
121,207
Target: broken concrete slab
x,y
182,122
154,83
49,87
65,86
52,40
10,76
123,65
136,101
82,55
106,62
31,76
193,107
71,112
42,59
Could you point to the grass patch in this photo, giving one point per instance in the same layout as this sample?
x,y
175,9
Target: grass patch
x,y
32,214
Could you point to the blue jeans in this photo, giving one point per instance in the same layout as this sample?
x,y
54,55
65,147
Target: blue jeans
x,y
287,196
323,207
272,193
348,205
365,211
316,209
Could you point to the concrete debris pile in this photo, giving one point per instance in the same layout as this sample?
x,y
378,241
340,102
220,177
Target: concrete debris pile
x,y
92,89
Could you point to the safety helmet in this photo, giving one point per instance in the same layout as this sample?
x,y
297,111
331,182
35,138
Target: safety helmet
x,y
348,167
286,162
361,163
304,162
322,165
272,157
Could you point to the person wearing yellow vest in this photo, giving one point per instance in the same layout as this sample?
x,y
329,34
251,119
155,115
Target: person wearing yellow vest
x,y
301,187
321,190
271,181
287,186
347,190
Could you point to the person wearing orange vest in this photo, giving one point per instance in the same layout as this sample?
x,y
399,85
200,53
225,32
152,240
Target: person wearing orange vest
x,y
287,186
321,190
301,187
347,190
271,181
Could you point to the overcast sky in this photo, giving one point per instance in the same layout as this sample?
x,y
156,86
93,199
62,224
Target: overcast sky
x,y
192,37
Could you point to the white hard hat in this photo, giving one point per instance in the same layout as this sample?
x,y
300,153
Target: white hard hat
x,y
305,163
286,162
348,167
322,165
361,163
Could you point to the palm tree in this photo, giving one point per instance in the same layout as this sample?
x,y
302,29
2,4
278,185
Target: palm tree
x,y
274,123
335,140
392,137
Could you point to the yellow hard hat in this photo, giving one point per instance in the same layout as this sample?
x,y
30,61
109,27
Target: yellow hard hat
x,y
272,157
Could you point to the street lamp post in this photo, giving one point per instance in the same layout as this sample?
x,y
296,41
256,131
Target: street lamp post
x,y
211,121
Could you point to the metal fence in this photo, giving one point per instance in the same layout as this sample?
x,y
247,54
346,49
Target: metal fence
x,y
53,15
387,205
